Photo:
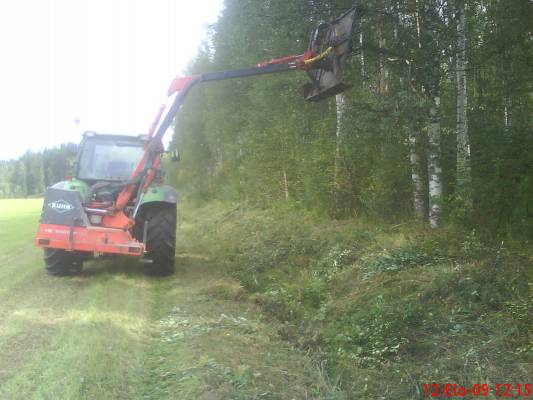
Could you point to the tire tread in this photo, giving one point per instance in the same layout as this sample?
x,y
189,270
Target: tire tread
x,y
161,240
60,262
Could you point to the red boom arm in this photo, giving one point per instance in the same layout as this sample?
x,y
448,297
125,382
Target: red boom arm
x,y
328,50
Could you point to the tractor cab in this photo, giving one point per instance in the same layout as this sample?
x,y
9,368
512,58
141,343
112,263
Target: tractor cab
x,y
104,157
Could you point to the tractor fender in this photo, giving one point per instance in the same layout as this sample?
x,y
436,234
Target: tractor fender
x,y
163,193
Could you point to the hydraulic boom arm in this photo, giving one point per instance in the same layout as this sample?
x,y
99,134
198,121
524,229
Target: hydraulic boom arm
x,y
328,51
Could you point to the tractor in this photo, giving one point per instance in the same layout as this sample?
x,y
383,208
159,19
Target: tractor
x,y
84,206
116,203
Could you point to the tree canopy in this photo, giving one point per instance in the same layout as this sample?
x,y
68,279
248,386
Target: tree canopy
x,y
30,174
437,84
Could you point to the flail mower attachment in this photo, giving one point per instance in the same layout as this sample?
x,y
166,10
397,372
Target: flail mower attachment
x,y
328,51
333,40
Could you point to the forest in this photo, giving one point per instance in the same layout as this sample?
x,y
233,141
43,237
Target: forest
x,y
436,128
31,174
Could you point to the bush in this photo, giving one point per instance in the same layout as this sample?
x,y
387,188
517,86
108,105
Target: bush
x,y
400,258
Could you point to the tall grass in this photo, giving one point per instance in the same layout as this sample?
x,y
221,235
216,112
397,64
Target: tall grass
x,y
378,303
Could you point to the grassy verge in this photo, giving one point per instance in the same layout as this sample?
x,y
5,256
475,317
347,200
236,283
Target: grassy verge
x,y
213,347
384,308
113,333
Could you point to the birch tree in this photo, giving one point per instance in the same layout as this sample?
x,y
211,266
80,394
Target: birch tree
x,y
416,175
463,177
383,73
434,164
340,104
431,28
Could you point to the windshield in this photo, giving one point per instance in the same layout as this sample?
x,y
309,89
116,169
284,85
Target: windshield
x,y
109,160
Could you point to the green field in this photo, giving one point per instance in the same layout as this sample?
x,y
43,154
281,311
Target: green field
x,y
112,333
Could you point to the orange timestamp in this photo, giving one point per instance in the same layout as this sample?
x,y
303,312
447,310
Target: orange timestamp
x,y
516,390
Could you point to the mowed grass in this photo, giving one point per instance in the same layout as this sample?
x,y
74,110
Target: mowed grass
x,y
113,333
18,224
73,337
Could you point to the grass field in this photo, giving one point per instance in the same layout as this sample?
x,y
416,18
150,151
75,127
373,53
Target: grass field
x,y
112,333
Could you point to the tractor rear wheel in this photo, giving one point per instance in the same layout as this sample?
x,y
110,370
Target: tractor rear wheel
x,y
160,239
60,262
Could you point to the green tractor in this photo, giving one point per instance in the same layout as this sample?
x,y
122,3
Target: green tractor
x,y
85,202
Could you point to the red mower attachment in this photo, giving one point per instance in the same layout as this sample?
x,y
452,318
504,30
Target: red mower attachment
x,y
65,225
93,239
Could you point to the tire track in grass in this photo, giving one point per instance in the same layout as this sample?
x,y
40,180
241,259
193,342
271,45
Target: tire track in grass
x,y
20,261
93,336
72,337
18,270
212,348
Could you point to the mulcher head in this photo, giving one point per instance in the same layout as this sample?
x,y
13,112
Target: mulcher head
x,y
332,41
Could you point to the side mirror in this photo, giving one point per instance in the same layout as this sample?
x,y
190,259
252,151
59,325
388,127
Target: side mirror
x,y
72,149
175,155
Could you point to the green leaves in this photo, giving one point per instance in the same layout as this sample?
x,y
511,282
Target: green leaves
x,y
256,140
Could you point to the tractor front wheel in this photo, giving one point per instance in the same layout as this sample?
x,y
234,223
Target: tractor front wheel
x,y
60,262
160,239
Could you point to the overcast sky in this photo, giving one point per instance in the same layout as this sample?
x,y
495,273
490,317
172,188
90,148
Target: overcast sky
x,y
106,62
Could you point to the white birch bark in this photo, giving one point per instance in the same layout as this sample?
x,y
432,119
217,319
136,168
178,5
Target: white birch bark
x,y
361,54
285,185
434,167
506,117
416,178
340,104
464,179
418,35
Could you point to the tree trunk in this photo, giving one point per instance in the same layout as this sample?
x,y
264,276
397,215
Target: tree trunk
x,y
418,30
340,107
506,117
416,176
463,178
383,73
362,54
434,167
285,185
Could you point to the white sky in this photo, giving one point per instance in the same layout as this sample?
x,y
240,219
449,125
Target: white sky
x,y
108,62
